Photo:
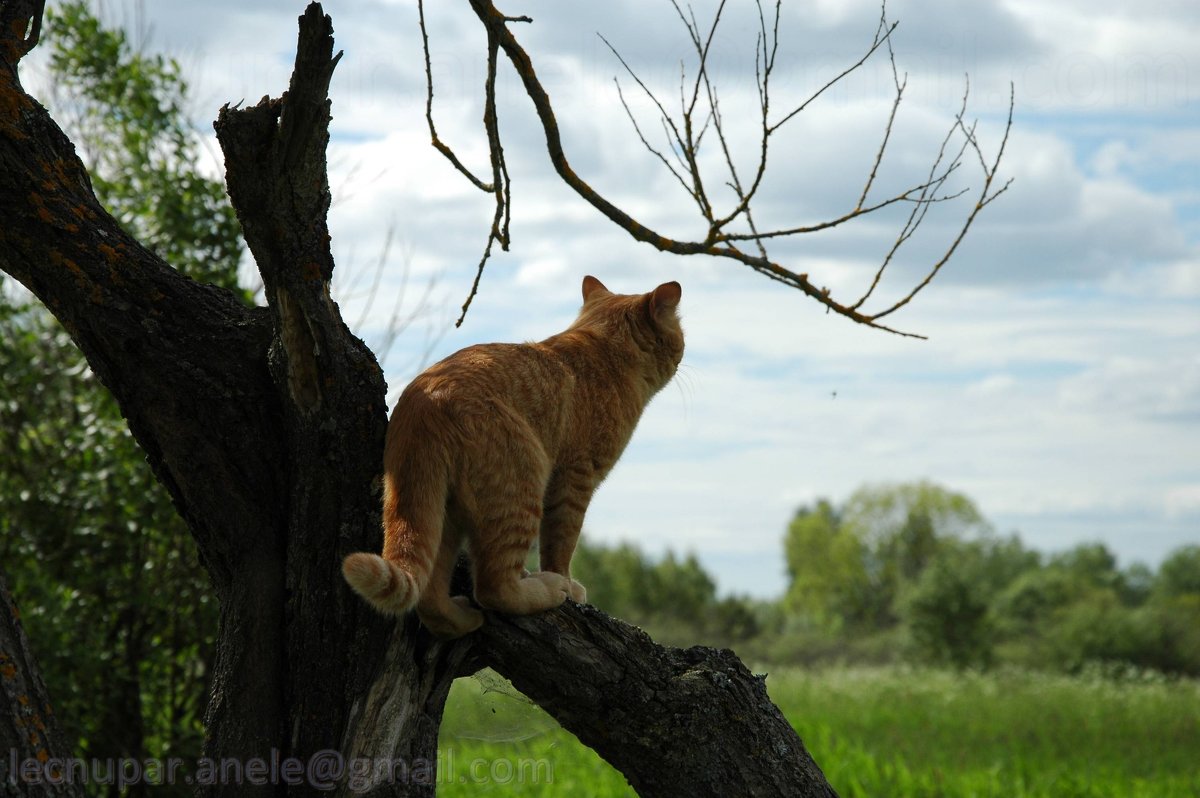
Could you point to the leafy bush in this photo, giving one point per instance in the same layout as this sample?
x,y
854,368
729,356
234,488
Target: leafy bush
x,y
948,618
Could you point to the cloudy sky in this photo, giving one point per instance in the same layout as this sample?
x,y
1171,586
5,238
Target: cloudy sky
x,y
1060,385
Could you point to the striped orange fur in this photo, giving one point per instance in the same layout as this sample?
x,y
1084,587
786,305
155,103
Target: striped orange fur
x,y
499,444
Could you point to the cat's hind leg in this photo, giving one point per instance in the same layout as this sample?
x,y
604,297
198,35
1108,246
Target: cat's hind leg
x,y
509,592
445,615
509,523
501,487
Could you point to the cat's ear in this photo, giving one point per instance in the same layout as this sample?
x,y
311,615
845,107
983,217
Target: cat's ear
x,y
593,287
665,298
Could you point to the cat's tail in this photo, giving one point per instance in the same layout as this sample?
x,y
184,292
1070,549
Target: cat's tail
x,y
387,585
415,487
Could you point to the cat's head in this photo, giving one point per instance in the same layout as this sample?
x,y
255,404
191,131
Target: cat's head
x,y
649,322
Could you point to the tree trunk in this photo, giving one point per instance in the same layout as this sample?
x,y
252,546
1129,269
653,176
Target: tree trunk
x,y
31,743
266,426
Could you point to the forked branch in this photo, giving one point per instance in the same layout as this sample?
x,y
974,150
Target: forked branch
x,y
729,230
500,187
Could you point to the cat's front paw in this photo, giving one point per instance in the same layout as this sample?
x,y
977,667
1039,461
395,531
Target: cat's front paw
x,y
558,585
578,592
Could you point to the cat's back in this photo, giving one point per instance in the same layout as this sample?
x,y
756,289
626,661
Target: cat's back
x,y
493,371
529,380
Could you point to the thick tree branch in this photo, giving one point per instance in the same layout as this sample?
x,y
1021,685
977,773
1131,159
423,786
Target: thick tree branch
x,y
675,722
275,161
187,363
273,466
331,389
181,358
394,722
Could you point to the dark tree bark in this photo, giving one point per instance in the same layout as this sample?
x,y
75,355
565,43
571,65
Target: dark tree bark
x,y
30,739
675,722
266,425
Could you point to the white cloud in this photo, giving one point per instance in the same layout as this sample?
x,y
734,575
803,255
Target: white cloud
x,y
992,385
1109,56
1183,501
1123,387
1179,280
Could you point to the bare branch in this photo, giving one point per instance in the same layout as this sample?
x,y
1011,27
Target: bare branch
x,y
650,147
918,213
906,196
380,262
501,186
887,131
403,317
701,47
437,143
734,181
487,253
678,144
686,132
693,144
879,40
985,198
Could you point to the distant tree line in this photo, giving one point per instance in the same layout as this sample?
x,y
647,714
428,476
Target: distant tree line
x,y
913,572
672,596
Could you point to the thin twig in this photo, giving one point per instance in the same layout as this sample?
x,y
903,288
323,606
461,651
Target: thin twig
x,y
905,196
906,232
487,252
681,143
437,143
836,79
887,130
380,262
763,80
500,183
658,154
984,200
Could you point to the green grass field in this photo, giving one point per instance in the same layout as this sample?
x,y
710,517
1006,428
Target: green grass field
x,y
885,733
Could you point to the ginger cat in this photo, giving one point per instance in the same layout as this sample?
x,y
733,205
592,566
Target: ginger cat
x,y
500,443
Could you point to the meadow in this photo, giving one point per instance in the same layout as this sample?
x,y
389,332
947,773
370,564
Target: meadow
x,y
885,732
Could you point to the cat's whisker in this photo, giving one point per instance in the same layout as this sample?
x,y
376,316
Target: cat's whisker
x,y
685,384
